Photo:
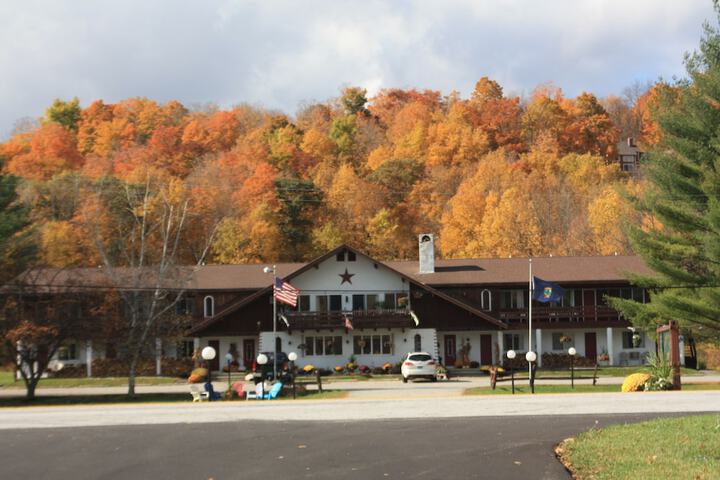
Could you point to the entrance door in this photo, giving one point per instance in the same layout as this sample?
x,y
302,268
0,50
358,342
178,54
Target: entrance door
x,y
215,362
248,352
450,350
589,304
591,346
486,349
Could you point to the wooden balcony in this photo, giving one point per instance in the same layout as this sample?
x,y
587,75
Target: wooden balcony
x,y
585,316
359,319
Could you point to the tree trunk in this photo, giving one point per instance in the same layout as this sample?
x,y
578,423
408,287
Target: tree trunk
x,y
30,385
131,377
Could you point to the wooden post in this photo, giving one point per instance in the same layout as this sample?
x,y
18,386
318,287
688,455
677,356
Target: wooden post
x,y
319,380
595,374
672,333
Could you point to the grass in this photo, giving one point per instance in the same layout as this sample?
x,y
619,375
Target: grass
x,y
505,389
6,381
60,400
683,447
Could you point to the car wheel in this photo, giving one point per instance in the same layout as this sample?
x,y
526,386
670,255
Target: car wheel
x,y
404,379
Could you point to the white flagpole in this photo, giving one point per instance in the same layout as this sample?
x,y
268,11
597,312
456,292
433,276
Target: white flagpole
x,y
274,349
530,297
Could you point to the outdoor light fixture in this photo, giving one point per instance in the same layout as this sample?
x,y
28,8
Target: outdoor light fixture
x,y
572,353
531,357
511,356
208,353
262,360
273,270
292,356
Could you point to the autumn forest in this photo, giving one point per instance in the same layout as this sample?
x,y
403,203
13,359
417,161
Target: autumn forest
x,y
491,175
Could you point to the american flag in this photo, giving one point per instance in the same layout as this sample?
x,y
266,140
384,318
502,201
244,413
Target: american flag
x,y
285,293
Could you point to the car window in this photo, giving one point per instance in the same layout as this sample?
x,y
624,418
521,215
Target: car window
x,y
420,357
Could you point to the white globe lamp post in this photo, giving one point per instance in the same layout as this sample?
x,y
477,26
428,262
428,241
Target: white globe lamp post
x,y
262,360
511,356
208,354
572,352
531,357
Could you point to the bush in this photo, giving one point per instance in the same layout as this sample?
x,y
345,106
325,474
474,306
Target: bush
x,y
112,367
562,360
660,373
379,371
308,368
365,369
351,367
339,369
324,372
635,382
474,364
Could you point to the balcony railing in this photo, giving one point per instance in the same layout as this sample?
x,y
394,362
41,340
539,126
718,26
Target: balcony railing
x,y
358,318
591,313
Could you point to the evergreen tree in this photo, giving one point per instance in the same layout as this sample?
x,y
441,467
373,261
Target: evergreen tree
x,y
680,239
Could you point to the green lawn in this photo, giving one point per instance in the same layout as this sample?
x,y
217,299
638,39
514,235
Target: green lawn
x,y
6,381
522,388
685,447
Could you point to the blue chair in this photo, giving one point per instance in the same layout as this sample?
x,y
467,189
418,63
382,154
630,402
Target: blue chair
x,y
274,391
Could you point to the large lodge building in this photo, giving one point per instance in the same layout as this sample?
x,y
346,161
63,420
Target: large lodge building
x,y
401,306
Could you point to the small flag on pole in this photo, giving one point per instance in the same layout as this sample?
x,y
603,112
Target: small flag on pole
x,y
415,318
285,320
545,292
285,293
348,323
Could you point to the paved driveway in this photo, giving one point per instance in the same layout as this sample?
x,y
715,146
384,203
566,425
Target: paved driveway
x,y
487,447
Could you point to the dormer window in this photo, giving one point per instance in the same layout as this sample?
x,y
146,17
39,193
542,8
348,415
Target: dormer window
x,y
351,257
340,256
209,303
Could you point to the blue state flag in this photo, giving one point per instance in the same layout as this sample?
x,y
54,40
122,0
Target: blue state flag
x,y
544,291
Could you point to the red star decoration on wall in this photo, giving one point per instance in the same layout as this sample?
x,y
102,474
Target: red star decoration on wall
x,y
346,277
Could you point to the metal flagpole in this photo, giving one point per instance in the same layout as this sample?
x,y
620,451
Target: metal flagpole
x,y
274,341
530,297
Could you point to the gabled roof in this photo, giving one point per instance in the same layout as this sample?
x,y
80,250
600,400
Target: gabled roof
x,y
266,289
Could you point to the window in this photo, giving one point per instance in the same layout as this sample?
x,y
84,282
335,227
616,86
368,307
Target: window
x,y
209,303
627,340
418,342
335,303
557,343
486,300
184,306
340,257
511,341
512,299
351,257
323,345
638,294
372,344
278,344
303,303
68,352
390,301
372,302
358,302
185,349
572,298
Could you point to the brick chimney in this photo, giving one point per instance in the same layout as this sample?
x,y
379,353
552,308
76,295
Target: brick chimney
x,y
426,242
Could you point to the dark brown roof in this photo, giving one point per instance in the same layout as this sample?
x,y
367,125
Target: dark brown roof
x,y
488,271
515,270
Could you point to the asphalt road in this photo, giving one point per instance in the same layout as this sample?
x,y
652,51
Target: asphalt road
x,y
518,447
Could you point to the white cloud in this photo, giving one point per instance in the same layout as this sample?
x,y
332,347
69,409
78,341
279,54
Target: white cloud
x,y
283,52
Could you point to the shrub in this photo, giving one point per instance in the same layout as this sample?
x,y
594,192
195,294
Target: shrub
x,y
365,369
324,372
308,368
474,364
562,360
635,382
660,373
379,371
339,368
387,366
351,367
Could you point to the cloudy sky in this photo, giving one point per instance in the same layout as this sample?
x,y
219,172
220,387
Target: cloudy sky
x,y
282,53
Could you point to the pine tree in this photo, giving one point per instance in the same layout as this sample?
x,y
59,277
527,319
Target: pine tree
x,y
680,239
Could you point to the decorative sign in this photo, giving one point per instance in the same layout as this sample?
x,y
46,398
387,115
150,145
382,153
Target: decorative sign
x,y
346,277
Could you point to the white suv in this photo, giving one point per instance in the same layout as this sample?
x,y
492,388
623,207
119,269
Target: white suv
x,y
418,365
